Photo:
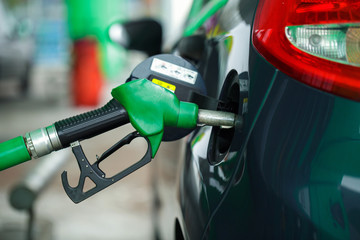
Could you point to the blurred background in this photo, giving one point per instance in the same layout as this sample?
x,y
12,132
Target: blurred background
x,y
56,60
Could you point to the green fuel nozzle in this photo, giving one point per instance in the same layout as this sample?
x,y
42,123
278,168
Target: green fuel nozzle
x,y
146,105
149,107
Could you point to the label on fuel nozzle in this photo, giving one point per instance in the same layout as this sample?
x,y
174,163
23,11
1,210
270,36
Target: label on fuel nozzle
x,y
163,84
174,71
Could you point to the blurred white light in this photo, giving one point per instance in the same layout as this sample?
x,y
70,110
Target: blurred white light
x,y
118,34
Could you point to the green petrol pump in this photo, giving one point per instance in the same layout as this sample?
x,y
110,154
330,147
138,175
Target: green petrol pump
x,y
95,58
91,19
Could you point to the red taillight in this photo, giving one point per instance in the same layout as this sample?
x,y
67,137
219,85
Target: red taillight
x,y
316,42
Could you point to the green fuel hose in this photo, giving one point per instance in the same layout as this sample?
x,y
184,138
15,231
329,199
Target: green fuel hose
x,y
13,152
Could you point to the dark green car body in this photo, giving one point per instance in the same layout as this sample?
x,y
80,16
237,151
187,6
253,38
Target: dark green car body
x,y
293,170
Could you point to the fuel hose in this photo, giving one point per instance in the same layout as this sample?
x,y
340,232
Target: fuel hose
x,y
13,152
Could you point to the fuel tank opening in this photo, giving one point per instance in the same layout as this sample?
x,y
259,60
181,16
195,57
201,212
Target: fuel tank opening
x,y
221,138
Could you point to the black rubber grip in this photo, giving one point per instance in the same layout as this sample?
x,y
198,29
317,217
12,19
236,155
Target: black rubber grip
x,y
90,124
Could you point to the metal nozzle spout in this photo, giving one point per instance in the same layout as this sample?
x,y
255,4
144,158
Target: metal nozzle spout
x,y
218,118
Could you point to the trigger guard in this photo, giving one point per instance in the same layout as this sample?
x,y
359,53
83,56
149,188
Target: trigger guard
x,y
77,194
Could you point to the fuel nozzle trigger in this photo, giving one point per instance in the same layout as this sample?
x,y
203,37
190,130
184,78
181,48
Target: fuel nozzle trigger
x,y
95,174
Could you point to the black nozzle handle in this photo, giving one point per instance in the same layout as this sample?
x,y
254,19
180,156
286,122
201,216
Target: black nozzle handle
x,y
90,124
